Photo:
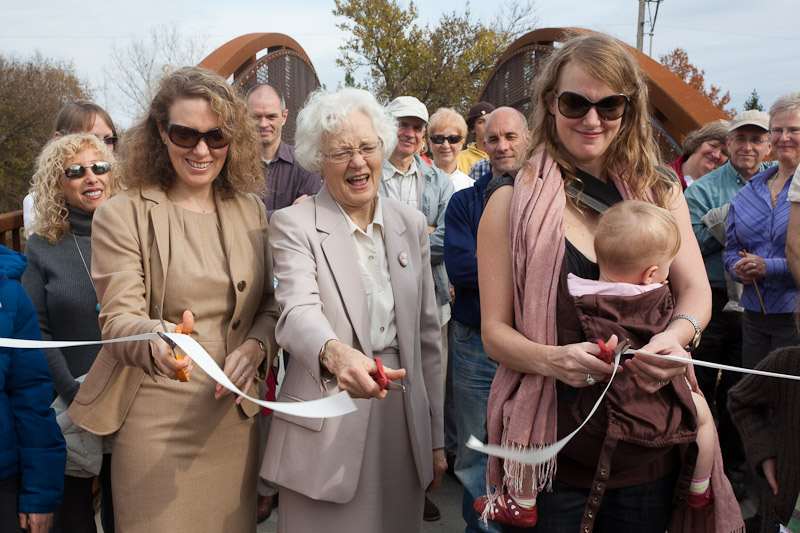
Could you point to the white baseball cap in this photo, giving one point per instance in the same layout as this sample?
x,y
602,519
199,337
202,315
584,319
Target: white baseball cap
x,y
751,117
408,106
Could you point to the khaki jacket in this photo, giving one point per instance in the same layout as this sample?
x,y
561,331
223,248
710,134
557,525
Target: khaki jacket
x,y
130,255
322,297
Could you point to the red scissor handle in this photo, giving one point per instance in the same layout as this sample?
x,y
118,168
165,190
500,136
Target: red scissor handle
x,y
606,353
380,375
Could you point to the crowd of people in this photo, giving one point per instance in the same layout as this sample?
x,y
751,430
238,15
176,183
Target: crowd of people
x,y
452,288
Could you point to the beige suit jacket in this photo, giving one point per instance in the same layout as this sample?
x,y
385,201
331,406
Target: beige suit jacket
x,y
322,297
130,255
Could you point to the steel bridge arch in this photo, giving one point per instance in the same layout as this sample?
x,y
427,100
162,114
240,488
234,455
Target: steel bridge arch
x,y
285,66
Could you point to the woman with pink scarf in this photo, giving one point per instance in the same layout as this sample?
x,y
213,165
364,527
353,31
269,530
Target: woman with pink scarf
x,y
591,136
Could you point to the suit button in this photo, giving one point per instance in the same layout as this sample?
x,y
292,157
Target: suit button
x,y
235,324
589,514
241,285
603,474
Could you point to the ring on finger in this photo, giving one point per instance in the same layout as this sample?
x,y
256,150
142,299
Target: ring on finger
x,y
590,380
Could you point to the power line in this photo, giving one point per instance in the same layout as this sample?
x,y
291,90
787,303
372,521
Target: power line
x,y
641,23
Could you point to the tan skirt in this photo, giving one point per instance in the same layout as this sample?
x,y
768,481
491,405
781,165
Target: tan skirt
x,y
184,462
389,498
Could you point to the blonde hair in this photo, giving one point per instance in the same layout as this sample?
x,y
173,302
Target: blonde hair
x,y
633,235
632,155
447,116
49,203
145,160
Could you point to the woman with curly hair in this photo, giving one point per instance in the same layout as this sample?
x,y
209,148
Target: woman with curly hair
x,y
77,116
592,146
185,243
74,175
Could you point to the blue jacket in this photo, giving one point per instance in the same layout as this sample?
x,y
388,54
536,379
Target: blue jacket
x,y
460,249
31,444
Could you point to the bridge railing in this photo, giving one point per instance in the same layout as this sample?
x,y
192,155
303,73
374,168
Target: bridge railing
x,y
11,229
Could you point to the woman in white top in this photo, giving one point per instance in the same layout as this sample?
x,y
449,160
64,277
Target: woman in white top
x,y
446,133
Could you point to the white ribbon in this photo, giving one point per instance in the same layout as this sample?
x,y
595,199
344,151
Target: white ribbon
x,y
337,405
542,455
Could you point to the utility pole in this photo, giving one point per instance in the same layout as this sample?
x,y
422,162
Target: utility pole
x,y
640,26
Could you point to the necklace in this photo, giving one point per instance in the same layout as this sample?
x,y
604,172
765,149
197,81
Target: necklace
x,y
86,267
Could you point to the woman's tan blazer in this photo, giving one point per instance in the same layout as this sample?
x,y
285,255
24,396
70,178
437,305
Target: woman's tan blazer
x,y
322,297
130,256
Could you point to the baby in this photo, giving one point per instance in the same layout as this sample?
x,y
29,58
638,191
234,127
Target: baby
x,y
635,243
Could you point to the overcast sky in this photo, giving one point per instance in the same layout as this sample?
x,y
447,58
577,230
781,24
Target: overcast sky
x,y
741,44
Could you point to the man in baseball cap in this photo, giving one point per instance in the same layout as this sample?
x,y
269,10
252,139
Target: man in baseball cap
x,y
409,179
475,151
709,197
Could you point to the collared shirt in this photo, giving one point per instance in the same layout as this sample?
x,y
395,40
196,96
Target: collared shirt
x,y
286,181
754,225
480,168
469,156
402,186
715,189
374,269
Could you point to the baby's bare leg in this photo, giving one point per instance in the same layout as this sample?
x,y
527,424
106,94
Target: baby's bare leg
x,y
706,438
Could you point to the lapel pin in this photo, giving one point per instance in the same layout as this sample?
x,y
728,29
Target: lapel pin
x,y
403,259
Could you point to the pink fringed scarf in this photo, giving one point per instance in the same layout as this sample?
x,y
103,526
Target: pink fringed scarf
x,y
522,407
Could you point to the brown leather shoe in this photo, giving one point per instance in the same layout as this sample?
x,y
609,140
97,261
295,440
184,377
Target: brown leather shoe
x,y
265,506
431,512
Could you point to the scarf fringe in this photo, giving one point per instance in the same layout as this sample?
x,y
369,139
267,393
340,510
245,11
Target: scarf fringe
x,y
541,476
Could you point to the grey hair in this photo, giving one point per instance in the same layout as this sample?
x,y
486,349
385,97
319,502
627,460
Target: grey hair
x,y
325,112
787,102
447,116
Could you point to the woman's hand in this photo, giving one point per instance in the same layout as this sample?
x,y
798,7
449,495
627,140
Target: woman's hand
x,y
769,469
241,366
652,373
167,364
574,363
36,522
750,267
353,370
439,468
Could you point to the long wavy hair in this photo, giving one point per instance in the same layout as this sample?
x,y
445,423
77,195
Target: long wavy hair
x,y
49,204
632,155
145,161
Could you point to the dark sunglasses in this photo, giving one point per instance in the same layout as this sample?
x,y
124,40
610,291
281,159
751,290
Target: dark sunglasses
x,y
574,105
190,137
440,139
110,140
77,171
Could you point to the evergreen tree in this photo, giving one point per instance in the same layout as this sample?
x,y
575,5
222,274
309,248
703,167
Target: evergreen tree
x,y
753,102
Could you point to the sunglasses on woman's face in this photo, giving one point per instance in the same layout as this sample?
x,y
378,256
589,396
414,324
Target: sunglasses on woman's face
x,y
186,137
440,139
77,171
574,105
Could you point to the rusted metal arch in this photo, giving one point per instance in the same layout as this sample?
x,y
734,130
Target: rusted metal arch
x,y
676,108
285,66
238,54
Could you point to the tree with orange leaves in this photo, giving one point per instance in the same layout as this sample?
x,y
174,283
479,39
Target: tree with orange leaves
x,y
678,62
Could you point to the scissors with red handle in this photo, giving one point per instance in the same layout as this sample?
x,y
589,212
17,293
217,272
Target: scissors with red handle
x,y
607,355
384,382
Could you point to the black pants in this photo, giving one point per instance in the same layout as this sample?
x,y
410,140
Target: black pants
x,y
643,508
763,333
9,520
76,512
722,343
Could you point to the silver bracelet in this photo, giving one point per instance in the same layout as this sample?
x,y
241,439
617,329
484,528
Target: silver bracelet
x,y
695,324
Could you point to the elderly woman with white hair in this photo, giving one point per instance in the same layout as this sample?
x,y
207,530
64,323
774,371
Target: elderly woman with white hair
x,y
755,248
359,314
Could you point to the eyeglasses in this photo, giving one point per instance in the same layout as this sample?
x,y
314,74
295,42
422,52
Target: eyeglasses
x,y
345,155
452,139
189,137
574,105
111,140
77,171
778,132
